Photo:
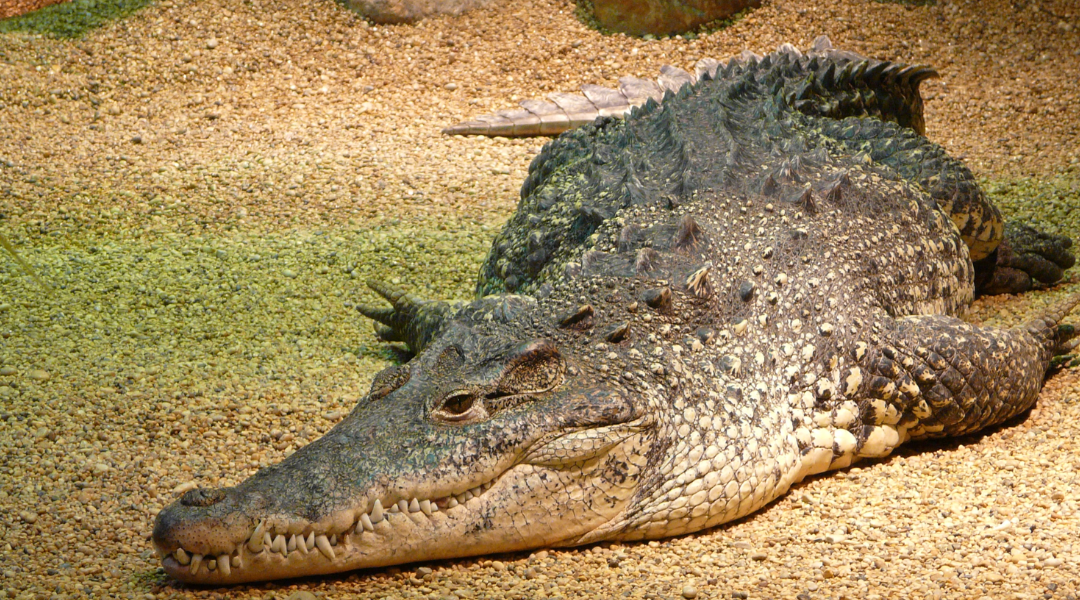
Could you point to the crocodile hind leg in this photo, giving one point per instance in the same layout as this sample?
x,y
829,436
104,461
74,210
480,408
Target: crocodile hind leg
x,y
932,376
1007,258
1026,255
410,319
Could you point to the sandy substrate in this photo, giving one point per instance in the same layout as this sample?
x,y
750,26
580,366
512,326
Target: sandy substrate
x,y
206,186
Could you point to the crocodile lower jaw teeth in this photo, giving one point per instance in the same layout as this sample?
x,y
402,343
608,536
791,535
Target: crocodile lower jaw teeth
x,y
266,538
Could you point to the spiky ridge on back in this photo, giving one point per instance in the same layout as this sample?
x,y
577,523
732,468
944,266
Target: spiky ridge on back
x,y
710,134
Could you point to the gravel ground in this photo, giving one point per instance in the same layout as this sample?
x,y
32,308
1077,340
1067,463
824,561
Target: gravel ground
x,y
206,185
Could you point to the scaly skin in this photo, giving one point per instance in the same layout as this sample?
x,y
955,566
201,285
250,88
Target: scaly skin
x,y
692,309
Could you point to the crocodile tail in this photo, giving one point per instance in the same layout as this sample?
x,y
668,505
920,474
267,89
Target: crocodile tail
x,y
565,111
839,84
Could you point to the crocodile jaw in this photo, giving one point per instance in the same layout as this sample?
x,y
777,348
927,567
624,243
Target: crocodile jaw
x,y
490,518
383,487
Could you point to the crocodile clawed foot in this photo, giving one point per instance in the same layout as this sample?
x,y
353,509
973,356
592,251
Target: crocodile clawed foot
x,y
1025,256
1066,336
410,319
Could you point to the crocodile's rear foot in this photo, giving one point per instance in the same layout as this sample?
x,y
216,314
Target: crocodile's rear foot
x,y
1025,256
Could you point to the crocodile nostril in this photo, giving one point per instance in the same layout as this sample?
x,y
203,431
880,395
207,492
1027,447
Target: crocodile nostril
x,y
201,497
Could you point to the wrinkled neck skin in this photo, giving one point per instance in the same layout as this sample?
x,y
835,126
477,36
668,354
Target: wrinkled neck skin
x,y
498,437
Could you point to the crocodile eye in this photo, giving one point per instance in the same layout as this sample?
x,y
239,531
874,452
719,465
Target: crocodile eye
x,y
460,406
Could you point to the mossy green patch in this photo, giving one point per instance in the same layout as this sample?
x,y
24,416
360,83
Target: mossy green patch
x,y
1051,204
586,13
72,19
148,579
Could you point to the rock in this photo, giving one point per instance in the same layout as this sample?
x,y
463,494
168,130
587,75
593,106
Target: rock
x,y
38,374
689,591
28,516
664,17
11,371
185,487
301,595
409,11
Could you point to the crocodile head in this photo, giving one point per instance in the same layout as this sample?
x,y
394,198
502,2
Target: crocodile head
x,y
497,437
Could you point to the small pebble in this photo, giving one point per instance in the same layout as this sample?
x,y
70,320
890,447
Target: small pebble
x,y
301,595
38,374
28,516
451,86
689,591
7,371
185,487
212,43
289,273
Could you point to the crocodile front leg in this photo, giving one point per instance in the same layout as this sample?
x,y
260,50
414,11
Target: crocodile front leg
x,y
932,376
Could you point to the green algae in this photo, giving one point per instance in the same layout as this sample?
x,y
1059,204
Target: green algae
x,y
72,19
22,263
586,14
1050,204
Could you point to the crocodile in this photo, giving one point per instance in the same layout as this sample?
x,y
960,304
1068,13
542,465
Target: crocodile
x,y
758,279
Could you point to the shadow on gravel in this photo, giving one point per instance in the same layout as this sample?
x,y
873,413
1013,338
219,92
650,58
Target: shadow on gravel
x,y
72,19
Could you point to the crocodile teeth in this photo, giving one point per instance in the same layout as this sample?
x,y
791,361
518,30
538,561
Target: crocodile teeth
x,y
182,557
291,546
394,509
425,506
223,564
267,539
279,545
324,546
255,542
365,521
403,506
310,541
414,506
376,512
196,561
211,565
452,502
333,540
